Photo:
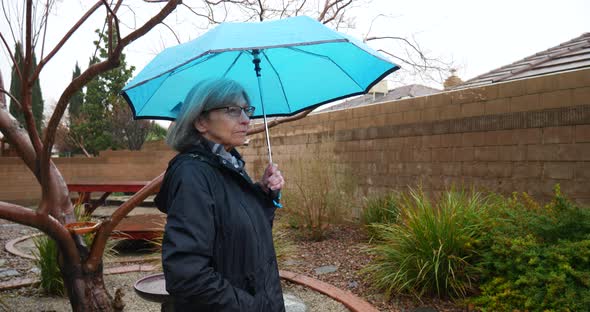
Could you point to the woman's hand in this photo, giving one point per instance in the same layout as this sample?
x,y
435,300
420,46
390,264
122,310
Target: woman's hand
x,y
272,180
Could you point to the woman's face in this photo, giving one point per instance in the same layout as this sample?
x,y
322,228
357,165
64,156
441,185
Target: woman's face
x,y
224,125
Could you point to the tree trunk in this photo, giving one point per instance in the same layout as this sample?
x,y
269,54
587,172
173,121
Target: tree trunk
x,y
87,291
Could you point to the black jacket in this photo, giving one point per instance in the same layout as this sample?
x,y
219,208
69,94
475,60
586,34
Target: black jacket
x,y
217,252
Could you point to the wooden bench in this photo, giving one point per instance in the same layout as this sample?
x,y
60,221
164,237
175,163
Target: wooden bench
x,y
85,190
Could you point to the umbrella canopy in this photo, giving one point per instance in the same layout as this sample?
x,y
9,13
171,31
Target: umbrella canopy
x,y
303,64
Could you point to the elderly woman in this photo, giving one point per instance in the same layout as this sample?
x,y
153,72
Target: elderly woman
x,y
218,252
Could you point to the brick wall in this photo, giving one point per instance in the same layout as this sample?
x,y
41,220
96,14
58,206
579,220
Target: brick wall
x,y
523,135
18,185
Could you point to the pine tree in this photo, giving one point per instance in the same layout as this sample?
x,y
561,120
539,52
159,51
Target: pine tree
x,y
16,88
77,99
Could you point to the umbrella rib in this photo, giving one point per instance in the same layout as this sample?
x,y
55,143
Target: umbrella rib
x,y
280,81
233,63
327,57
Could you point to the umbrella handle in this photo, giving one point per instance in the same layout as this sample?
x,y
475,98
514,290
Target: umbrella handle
x,y
276,198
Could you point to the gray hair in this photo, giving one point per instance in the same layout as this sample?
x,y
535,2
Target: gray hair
x,y
204,96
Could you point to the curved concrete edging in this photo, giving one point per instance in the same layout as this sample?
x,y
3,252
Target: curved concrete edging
x,y
11,248
348,299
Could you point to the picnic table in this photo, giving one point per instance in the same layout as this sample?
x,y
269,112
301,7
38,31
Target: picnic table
x,y
85,190
147,226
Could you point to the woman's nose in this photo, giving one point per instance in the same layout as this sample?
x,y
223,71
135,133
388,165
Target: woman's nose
x,y
244,118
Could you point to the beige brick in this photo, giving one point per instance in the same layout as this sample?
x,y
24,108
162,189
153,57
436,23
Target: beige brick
x,y
559,170
512,153
437,100
486,153
511,89
581,96
499,169
451,169
525,103
473,138
546,152
582,133
463,154
487,93
500,137
574,79
527,170
408,105
558,135
411,116
497,106
555,99
464,96
475,169
450,112
394,118
430,114
574,152
451,139
582,171
431,140
541,84
527,136
442,154
472,109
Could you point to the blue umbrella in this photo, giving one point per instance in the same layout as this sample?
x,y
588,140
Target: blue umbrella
x,y
298,62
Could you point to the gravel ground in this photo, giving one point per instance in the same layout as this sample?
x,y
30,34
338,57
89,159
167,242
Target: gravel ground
x,y
30,300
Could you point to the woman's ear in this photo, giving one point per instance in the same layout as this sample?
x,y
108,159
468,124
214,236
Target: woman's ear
x,y
200,124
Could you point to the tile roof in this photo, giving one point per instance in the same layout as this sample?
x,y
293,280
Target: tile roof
x,y
570,55
408,91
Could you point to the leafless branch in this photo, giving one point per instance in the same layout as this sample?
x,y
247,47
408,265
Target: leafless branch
x,y
8,20
44,26
279,121
26,104
14,99
18,72
65,38
172,31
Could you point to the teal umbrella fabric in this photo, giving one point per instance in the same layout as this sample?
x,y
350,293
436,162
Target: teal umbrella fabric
x,y
303,64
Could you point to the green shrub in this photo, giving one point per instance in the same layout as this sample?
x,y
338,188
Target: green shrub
x,y
45,254
429,250
380,209
535,257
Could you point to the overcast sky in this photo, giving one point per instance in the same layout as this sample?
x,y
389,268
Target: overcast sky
x,y
477,36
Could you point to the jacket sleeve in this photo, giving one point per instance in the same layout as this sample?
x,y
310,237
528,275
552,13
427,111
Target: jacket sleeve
x,y
187,248
269,204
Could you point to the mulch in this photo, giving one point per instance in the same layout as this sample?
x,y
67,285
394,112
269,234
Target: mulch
x,y
344,246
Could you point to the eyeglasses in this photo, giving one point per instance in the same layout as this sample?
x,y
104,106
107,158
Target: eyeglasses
x,y
236,111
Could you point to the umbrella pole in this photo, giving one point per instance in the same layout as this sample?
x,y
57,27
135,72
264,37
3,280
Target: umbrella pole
x,y
256,62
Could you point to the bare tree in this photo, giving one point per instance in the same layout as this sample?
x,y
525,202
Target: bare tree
x,y
81,266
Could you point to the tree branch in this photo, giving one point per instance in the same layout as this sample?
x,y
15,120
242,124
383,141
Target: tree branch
x,y
26,99
109,225
15,100
84,78
64,40
46,224
18,72
279,121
